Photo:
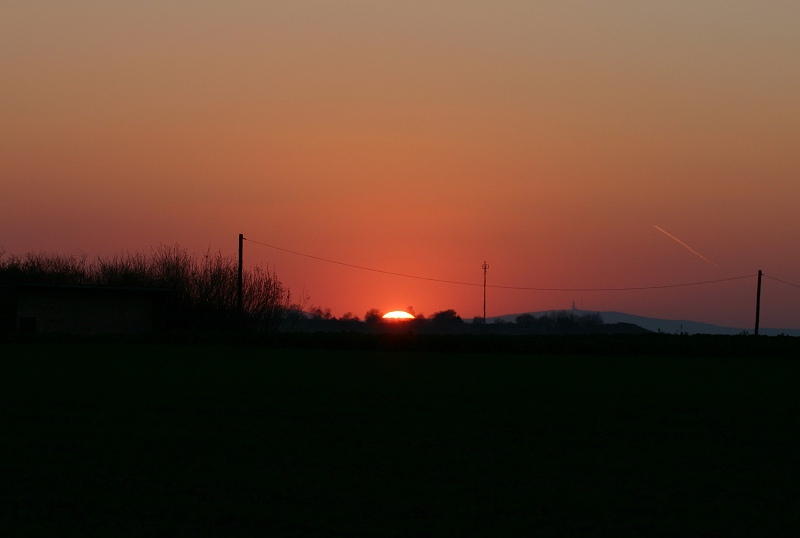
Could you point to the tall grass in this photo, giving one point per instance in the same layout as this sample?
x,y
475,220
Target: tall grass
x,y
203,291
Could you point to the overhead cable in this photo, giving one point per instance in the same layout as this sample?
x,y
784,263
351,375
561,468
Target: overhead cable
x,y
519,288
782,281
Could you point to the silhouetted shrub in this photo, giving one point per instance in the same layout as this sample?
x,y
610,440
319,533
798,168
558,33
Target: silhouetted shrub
x,y
203,292
40,268
446,316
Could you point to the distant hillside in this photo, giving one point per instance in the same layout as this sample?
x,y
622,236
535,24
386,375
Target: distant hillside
x,y
671,326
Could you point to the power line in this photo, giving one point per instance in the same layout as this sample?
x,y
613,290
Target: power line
x,y
782,281
633,288
362,267
518,288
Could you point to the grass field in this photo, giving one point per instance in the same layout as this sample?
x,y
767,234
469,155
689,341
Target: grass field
x,y
219,440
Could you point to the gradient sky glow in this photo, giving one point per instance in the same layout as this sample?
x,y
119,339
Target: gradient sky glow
x,y
545,137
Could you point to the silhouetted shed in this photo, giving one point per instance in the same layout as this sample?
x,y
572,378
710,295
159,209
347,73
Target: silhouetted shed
x,y
80,309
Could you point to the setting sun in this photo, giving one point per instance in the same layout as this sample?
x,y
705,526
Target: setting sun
x,y
397,314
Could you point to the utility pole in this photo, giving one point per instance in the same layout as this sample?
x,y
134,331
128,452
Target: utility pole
x,y
239,284
758,301
485,267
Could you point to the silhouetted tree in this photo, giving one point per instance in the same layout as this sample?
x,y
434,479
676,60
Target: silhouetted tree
x,y
526,321
591,320
320,314
373,315
446,316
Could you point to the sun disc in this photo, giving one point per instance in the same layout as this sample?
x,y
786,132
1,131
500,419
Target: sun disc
x,y
397,314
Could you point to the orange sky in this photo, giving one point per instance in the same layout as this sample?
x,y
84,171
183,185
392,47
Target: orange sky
x,y
547,138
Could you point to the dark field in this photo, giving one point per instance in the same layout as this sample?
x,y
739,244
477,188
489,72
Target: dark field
x,y
218,440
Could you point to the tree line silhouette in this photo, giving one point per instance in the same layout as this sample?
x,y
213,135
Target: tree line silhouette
x,y
201,295
449,322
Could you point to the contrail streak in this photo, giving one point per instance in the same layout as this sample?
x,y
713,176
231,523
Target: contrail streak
x,y
693,251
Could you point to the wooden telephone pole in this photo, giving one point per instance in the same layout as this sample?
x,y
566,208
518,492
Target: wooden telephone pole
x,y
758,301
485,267
239,284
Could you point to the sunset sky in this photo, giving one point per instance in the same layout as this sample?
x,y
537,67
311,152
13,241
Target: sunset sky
x,y
548,138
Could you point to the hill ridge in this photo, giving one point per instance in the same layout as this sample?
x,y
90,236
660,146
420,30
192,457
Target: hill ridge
x,y
672,326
